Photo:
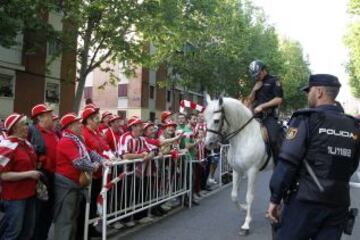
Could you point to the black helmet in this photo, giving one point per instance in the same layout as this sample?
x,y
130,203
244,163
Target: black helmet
x,y
255,68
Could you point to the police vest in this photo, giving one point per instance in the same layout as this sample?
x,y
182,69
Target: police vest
x,y
333,154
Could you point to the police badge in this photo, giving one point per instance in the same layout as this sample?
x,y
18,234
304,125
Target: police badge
x,y
291,133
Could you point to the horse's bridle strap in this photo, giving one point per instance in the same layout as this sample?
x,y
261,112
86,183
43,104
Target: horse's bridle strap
x,y
232,134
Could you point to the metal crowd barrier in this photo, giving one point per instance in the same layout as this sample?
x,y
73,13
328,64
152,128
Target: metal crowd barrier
x,y
224,166
133,186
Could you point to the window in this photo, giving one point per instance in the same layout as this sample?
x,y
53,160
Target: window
x,y
152,116
88,92
6,86
168,96
123,78
122,114
152,92
122,90
52,94
54,47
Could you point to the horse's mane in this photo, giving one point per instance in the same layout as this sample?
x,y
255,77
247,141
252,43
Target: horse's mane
x,y
236,112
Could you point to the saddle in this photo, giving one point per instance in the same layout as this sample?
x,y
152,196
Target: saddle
x,y
264,134
272,148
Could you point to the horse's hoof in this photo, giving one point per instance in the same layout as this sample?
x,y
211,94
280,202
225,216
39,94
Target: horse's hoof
x,y
244,232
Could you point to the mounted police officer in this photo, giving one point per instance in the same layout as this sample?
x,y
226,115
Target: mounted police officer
x,y
265,98
316,161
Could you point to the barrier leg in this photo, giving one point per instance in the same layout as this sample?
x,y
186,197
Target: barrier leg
x,y
104,213
87,214
221,166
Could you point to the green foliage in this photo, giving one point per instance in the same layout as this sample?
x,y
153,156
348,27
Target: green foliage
x,y
25,16
352,40
203,43
294,74
229,36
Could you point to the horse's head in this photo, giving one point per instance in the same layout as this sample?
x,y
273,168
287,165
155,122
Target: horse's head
x,y
215,120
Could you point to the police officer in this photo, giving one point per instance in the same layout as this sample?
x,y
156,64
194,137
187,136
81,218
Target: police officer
x,y
316,161
266,96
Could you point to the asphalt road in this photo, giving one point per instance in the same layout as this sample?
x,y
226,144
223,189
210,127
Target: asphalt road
x,y
217,218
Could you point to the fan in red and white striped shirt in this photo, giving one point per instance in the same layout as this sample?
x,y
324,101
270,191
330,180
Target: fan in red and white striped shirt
x,y
130,144
201,124
3,135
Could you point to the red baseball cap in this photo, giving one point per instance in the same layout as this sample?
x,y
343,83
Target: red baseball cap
x,y
114,118
68,119
11,120
40,109
88,112
105,114
148,124
165,115
134,121
91,105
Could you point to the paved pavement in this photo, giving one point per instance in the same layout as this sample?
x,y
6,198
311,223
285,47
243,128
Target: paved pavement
x,y
217,218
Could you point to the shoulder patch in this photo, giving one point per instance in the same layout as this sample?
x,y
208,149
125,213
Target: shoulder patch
x,y
291,133
278,83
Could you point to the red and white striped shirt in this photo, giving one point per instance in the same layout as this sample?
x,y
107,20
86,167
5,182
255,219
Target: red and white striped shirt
x,y
112,138
3,135
152,143
200,126
129,144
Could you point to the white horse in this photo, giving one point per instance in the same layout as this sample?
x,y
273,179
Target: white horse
x,y
229,119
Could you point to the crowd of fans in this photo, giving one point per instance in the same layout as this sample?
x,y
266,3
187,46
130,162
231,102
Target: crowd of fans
x,y
46,165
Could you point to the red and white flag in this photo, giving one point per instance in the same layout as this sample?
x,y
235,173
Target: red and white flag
x,y
6,149
189,104
108,186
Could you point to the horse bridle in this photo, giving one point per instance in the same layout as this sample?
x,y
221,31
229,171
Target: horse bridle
x,y
226,137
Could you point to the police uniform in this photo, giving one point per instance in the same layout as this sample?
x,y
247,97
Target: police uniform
x,y
317,199
271,89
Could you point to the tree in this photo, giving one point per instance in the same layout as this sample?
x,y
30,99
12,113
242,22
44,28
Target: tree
x,y
117,31
352,40
206,43
120,31
294,74
19,16
235,33
106,31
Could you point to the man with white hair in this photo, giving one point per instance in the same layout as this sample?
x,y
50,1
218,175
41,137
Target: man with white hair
x,y
44,139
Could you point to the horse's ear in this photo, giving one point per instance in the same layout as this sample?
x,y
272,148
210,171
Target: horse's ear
x,y
221,101
208,98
